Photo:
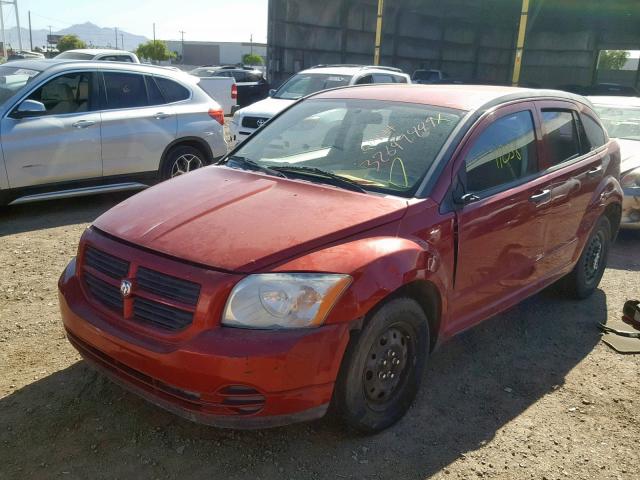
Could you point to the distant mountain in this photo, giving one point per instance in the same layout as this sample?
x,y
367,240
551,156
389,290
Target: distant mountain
x,y
92,34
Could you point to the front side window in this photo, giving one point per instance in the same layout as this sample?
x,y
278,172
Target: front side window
x,y
380,145
125,90
561,136
68,93
305,84
503,153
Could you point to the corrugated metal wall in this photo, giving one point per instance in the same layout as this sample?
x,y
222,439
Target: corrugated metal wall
x,y
470,39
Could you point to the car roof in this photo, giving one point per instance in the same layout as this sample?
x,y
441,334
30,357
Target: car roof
x,y
98,51
460,97
61,64
614,100
351,69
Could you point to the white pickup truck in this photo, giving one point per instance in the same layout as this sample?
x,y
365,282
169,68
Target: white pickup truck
x,y
222,89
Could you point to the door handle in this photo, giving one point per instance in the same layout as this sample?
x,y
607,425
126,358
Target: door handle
x,y
541,196
161,115
594,172
83,123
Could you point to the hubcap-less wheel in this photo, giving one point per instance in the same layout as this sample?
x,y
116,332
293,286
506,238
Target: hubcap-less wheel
x,y
387,366
593,257
184,164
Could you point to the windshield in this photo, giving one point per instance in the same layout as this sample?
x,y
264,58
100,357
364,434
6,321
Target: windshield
x,y
76,56
13,79
620,122
305,84
382,146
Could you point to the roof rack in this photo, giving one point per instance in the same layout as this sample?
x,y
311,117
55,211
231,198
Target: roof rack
x,y
352,65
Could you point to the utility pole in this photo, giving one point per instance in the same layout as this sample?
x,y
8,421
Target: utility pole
x,y
154,32
30,34
49,47
15,6
182,32
376,54
122,41
251,43
4,42
116,38
522,30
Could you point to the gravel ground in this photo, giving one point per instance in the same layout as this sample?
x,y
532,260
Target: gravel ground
x,y
531,393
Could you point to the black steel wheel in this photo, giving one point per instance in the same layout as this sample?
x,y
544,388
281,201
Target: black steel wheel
x,y
585,277
383,366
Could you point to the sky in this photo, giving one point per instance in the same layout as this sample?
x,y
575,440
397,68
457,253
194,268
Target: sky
x,y
217,20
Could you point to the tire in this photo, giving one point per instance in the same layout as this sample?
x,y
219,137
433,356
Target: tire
x,y
586,275
383,366
181,160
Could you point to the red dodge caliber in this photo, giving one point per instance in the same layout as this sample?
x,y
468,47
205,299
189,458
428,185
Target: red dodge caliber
x,y
325,258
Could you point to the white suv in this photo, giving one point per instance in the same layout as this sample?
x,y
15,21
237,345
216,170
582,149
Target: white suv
x,y
321,77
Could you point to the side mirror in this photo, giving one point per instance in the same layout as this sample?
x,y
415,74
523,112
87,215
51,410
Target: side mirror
x,y
272,92
29,108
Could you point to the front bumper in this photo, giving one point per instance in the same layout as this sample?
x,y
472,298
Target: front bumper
x,y
225,377
238,133
631,209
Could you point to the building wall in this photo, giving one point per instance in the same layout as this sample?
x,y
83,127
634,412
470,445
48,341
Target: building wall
x,y
214,53
469,39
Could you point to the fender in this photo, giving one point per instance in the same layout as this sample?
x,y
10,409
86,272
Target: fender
x,y
379,267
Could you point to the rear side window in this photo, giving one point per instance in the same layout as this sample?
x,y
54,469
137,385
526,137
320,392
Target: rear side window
x,y
401,79
503,153
155,96
595,134
172,91
125,90
561,135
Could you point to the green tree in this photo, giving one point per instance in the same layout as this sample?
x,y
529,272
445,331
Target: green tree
x,y
252,59
70,42
612,59
155,50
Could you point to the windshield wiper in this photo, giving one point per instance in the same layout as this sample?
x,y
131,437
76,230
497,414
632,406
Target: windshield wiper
x,y
338,180
248,164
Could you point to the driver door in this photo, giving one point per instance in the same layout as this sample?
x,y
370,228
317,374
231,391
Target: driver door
x,y
59,144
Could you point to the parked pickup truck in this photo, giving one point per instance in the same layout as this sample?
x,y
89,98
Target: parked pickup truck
x,y
223,90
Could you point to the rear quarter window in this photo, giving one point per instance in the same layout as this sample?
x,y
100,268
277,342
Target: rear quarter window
x,y
561,136
172,91
595,133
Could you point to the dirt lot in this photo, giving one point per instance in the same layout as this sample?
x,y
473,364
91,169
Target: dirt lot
x,y
529,394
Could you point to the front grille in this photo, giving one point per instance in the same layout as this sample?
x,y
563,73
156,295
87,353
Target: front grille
x,y
157,300
104,292
108,264
161,316
253,122
167,286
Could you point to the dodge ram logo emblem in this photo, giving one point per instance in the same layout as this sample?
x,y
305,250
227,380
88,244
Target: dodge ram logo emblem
x,y
125,288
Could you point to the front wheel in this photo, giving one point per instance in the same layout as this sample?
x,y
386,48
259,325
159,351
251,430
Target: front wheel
x,y
383,366
586,275
181,160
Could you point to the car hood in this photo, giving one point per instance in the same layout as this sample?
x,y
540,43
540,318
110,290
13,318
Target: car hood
x,y
629,154
267,108
242,221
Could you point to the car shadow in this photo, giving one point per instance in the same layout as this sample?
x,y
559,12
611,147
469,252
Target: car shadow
x,y
56,213
77,423
625,252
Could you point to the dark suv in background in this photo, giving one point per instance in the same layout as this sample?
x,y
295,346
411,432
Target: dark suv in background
x,y
251,83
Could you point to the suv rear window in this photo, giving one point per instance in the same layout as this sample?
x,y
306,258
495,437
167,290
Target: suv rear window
x,y
304,84
172,91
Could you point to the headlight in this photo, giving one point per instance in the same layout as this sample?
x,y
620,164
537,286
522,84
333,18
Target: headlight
x,y
283,300
631,179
